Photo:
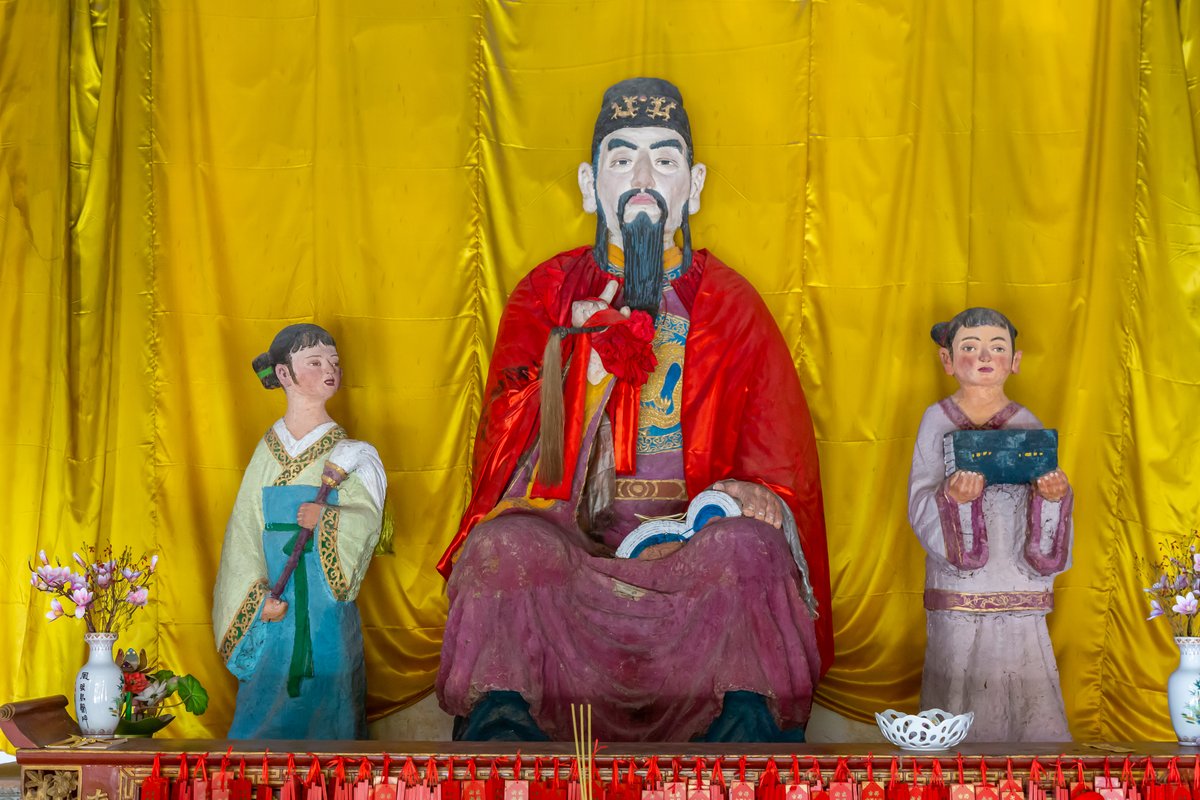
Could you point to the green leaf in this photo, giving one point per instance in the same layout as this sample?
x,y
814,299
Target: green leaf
x,y
143,727
193,695
162,676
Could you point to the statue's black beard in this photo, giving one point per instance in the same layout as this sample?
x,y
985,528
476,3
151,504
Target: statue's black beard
x,y
643,240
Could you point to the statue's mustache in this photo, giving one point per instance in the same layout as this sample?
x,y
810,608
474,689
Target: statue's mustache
x,y
624,199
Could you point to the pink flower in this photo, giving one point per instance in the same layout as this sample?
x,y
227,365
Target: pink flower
x,y
103,578
130,575
1195,562
1156,610
1186,604
48,578
138,597
154,563
42,557
79,560
56,610
81,597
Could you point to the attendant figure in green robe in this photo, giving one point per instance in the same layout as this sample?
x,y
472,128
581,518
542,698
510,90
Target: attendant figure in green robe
x,y
299,658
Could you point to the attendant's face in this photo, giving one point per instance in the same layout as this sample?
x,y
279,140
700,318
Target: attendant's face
x,y
981,356
316,372
642,160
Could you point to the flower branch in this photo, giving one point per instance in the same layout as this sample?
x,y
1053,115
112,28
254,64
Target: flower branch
x,y
1175,592
102,590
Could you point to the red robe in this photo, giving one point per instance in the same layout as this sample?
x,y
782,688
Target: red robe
x,y
744,415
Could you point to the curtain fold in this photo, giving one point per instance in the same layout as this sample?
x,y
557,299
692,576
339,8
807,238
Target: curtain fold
x,y
75,144
180,180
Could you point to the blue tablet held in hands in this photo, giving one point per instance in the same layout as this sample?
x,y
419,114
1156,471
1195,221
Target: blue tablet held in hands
x,y
1009,455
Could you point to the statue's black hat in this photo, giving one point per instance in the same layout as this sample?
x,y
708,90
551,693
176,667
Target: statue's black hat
x,y
642,103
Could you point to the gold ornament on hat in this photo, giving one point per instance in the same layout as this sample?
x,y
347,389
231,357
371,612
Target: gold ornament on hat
x,y
660,107
629,110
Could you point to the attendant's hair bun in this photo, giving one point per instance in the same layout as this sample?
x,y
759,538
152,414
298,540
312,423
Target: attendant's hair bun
x,y
265,371
938,334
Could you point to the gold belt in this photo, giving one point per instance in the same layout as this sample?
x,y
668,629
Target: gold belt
x,y
635,489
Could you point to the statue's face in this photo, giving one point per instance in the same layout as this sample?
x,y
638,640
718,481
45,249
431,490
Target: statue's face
x,y
318,373
642,160
981,356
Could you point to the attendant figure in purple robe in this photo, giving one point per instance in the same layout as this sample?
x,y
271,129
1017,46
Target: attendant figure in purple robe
x,y
992,551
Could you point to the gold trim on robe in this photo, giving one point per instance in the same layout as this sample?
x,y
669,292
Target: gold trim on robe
x,y
292,467
327,552
244,617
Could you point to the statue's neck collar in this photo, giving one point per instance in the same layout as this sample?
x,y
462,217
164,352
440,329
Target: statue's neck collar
x,y
672,262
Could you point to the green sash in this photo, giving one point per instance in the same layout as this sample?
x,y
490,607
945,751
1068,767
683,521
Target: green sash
x,y
301,666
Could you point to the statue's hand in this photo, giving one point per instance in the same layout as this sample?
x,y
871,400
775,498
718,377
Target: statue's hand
x,y
657,551
964,487
582,310
309,515
756,500
1053,486
273,610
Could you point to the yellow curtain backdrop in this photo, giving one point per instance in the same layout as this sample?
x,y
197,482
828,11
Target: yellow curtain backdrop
x,y
179,180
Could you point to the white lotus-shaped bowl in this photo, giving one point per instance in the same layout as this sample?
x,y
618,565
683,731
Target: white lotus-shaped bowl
x,y
929,730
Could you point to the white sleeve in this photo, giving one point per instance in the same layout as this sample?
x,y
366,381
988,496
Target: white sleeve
x,y
361,458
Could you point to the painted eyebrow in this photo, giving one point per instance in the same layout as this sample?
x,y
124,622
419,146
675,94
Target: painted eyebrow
x,y
678,145
613,144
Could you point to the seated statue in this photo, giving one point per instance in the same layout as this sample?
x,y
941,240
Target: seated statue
x,y
628,377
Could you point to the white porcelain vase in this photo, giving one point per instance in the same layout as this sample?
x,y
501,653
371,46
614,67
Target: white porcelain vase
x,y
98,687
1183,691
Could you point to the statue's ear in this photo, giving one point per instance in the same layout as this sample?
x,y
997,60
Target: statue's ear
x,y
947,361
587,187
699,173
284,375
1016,367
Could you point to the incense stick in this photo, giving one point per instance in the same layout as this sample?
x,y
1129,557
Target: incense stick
x,y
581,731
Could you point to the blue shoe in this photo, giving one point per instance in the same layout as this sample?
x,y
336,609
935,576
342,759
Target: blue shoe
x,y
499,717
745,717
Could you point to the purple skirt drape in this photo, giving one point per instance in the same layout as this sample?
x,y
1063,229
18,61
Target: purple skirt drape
x,y
652,645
